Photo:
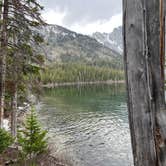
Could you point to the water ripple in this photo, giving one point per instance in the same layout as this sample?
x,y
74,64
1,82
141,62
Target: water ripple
x,y
92,128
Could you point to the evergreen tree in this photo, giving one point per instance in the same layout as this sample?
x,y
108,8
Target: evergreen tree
x,y
5,140
32,138
17,20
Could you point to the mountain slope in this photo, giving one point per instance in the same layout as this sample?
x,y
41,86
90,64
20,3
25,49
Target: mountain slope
x,y
112,40
63,45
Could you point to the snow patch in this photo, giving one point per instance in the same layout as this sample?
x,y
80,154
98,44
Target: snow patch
x,y
6,124
64,34
74,35
109,40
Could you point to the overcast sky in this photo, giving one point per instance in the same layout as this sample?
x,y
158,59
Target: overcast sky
x,y
84,16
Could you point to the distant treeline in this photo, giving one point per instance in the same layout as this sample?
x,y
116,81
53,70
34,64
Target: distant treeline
x,y
72,72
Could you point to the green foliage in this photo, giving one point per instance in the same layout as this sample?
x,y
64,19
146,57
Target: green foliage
x,y
31,69
38,38
5,140
22,60
32,138
71,72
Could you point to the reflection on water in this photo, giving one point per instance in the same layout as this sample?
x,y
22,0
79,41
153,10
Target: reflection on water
x,y
89,124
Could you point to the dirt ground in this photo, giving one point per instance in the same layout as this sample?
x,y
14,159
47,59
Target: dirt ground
x,y
11,155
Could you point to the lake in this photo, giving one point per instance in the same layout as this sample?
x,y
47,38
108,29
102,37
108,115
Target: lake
x,y
88,124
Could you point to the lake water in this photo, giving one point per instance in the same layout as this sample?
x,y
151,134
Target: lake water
x,y
88,124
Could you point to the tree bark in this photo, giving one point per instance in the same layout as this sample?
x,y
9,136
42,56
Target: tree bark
x,y
14,111
162,45
3,54
146,104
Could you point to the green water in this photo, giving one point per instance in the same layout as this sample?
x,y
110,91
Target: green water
x,y
88,124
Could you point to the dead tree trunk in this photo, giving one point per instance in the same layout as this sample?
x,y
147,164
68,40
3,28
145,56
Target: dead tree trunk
x,y
162,44
146,104
3,54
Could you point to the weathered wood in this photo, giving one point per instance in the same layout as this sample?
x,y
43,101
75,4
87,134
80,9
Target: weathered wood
x,y
162,46
164,1
142,52
161,121
161,118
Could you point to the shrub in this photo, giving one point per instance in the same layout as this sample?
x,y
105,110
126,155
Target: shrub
x,y
5,140
32,138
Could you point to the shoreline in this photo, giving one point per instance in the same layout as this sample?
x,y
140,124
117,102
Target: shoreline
x,y
109,82
11,155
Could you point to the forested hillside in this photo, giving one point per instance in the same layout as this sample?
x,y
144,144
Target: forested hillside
x,y
65,46
72,72
73,57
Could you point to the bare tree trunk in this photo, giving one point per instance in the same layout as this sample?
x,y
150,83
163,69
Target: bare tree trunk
x,y
14,112
3,54
162,45
1,112
146,105
0,12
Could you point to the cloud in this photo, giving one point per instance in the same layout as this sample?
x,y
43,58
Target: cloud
x,y
98,26
54,17
84,16
78,10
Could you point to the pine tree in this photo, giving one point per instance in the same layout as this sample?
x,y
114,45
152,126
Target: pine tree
x,y
32,138
5,140
17,21
24,17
